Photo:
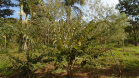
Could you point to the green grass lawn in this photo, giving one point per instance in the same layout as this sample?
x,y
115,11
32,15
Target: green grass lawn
x,y
127,61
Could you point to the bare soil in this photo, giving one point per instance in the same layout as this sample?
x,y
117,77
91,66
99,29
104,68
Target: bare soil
x,y
86,73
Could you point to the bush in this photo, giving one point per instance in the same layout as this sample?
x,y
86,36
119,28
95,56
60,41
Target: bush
x,y
3,51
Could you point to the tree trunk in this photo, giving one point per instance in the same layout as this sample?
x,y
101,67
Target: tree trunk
x,y
28,65
123,46
69,69
25,45
135,40
69,72
135,33
135,36
21,35
20,42
25,42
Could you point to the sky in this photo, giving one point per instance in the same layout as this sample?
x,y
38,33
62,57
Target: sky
x,y
111,2
17,9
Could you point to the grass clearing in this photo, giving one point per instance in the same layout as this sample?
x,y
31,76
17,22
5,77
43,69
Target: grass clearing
x,y
103,66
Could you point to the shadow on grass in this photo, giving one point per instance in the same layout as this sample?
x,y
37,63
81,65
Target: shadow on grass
x,y
97,73
79,72
105,72
47,75
92,73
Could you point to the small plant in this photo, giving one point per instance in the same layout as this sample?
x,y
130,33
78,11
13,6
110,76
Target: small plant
x,y
3,51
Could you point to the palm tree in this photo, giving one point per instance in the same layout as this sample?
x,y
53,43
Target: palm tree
x,y
20,35
70,3
27,7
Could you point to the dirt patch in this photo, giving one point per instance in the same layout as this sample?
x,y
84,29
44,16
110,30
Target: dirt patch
x,y
44,70
86,73
137,54
79,72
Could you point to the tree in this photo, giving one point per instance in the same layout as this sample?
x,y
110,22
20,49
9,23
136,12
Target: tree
x,y
26,6
68,44
4,12
131,8
8,30
70,3
20,28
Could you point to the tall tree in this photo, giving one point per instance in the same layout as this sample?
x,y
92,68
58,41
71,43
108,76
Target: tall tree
x,y
131,7
26,6
20,28
4,12
70,3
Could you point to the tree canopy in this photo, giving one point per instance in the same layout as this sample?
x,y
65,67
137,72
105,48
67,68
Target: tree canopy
x,y
131,8
4,8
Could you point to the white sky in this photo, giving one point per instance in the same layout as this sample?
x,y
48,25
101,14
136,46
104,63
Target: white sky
x,y
89,13
110,2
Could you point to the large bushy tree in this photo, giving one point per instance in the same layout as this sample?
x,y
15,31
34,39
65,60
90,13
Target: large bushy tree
x,y
131,7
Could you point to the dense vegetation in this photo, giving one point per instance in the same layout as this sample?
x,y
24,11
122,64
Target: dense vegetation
x,y
56,40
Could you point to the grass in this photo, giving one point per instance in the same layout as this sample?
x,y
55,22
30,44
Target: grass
x,y
5,65
127,60
129,56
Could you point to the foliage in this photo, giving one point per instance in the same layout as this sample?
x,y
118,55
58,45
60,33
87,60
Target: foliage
x,y
50,36
131,8
4,12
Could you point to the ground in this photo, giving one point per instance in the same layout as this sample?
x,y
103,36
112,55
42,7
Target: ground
x,y
90,73
127,61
